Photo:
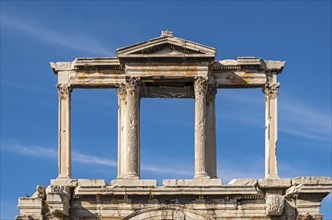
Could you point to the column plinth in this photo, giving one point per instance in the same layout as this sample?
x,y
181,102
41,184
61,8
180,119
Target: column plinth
x,y
271,128
132,128
64,131
200,87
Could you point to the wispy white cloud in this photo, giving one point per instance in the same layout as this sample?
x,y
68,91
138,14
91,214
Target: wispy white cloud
x,y
44,152
295,117
90,159
303,120
38,151
74,39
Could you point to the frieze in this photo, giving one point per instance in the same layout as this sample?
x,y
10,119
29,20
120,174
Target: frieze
x,y
100,67
167,59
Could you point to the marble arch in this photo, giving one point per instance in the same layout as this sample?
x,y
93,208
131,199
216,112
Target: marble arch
x,y
172,67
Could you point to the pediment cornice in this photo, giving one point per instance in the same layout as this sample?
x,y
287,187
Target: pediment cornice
x,y
165,47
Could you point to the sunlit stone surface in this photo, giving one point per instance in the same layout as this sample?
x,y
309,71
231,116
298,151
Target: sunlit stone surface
x,y
170,67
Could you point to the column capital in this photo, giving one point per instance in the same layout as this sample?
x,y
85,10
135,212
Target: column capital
x,y
132,83
200,83
121,91
64,90
271,89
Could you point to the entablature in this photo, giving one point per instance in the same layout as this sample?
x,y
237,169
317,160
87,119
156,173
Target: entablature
x,y
167,61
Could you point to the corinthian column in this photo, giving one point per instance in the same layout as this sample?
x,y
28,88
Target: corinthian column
x,y
271,128
200,86
64,132
211,132
132,128
121,92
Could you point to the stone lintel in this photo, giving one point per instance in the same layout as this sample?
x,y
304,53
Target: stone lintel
x,y
249,64
166,92
29,205
134,183
274,183
78,182
318,180
178,191
243,182
192,182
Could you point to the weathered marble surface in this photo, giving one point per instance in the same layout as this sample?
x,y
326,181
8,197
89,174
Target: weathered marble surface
x,y
240,199
170,67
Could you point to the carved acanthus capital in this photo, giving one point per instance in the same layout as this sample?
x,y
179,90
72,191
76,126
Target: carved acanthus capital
x,y
64,90
200,84
132,83
121,91
274,204
271,89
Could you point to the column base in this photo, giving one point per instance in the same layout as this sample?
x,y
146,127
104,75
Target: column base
x,y
134,182
202,176
130,177
193,182
272,177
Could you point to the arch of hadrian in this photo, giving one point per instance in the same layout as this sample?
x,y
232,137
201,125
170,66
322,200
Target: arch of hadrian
x,y
170,67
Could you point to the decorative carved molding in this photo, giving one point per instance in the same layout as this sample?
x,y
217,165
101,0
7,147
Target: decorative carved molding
x,y
132,83
121,91
60,66
308,217
200,84
271,89
99,67
151,50
274,205
58,189
64,90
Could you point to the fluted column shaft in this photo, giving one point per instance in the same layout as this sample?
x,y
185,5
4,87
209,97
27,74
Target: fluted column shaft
x,y
132,128
271,128
64,131
200,87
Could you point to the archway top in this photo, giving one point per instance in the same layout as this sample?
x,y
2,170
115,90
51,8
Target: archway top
x,y
167,46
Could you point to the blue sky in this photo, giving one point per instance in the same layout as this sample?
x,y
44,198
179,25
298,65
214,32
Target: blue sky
x,y
34,33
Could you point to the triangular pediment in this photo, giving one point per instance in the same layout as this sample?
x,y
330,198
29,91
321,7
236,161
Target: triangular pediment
x,y
166,46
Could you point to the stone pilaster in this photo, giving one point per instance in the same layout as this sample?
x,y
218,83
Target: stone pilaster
x,y
200,87
132,128
64,131
271,127
121,92
211,132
